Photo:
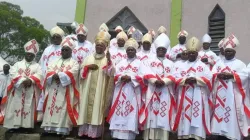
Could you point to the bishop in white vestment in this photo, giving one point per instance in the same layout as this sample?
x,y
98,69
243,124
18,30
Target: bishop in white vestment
x,y
146,52
61,96
119,53
83,47
123,115
51,53
206,55
231,103
24,90
193,110
176,51
158,102
113,42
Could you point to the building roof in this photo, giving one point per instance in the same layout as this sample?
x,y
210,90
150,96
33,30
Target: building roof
x,y
126,18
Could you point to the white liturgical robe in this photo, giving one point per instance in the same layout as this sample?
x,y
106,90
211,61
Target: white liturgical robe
x,y
231,103
193,110
158,103
82,50
21,102
123,115
61,100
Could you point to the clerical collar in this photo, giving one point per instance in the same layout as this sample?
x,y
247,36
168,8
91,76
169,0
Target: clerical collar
x,y
161,58
182,44
193,61
120,48
206,50
26,62
144,51
56,46
81,43
225,60
99,56
131,59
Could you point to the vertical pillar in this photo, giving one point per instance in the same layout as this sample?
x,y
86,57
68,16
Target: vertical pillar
x,y
176,16
80,11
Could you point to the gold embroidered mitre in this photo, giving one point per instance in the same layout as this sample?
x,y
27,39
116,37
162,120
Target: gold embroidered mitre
x,y
102,38
193,44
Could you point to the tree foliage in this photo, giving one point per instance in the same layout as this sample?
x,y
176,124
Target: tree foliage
x,y
16,30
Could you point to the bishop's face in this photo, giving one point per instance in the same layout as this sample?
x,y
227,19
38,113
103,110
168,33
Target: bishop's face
x,y
182,40
192,55
66,52
81,38
161,52
120,42
206,46
100,48
229,53
131,52
29,56
146,45
56,39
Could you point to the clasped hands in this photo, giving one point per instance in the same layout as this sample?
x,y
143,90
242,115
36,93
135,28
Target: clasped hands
x,y
190,80
126,78
225,76
92,67
204,60
56,78
27,83
159,83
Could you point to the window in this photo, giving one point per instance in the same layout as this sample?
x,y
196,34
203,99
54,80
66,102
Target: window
x,y
216,29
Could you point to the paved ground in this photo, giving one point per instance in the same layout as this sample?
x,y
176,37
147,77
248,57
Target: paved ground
x,y
36,135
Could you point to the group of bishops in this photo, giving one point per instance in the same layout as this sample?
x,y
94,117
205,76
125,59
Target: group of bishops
x,y
143,85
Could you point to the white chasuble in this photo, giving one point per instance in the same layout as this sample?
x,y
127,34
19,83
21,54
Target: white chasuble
x,y
231,103
61,100
145,55
210,55
113,44
158,103
193,111
82,50
49,55
175,51
117,55
93,86
21,102
123,115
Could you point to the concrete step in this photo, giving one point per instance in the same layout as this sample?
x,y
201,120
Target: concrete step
x,y
18,136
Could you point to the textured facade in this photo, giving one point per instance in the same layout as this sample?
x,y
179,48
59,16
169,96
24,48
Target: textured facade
x,y
153,13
